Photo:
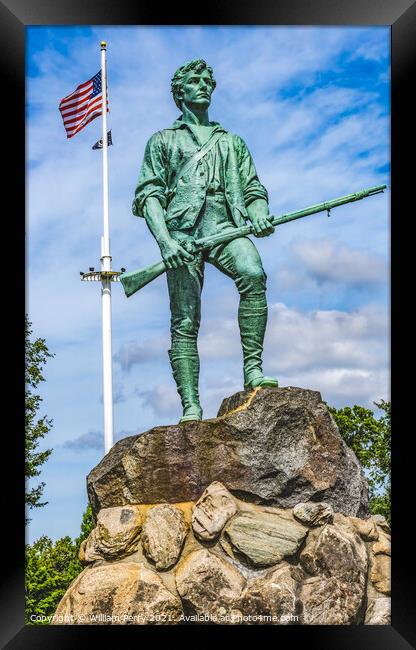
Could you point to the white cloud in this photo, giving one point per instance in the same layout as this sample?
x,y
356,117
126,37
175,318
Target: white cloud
x,y
325,339
375,49
131,353
163,399
93,440
340,387
90,440
329,261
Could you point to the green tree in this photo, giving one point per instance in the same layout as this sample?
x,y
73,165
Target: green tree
x,y
36,355
50,569
87,524
370,439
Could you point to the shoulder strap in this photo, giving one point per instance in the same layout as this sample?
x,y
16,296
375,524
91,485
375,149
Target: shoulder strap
x,y
196,157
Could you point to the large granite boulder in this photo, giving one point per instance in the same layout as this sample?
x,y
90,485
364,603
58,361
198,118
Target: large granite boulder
x,y
331,601
120,593
314,514
273,597
261,539
378,612
209,586
274,446
337,558
380,573
338,551
116,534
212,511
163,535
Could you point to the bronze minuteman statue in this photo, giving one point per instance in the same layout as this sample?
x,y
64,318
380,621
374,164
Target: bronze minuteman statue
x,y
196,180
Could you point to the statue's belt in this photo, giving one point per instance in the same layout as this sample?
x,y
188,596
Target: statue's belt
x,y
216,190
198,155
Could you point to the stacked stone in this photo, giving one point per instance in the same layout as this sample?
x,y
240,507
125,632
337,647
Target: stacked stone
x,y
224,560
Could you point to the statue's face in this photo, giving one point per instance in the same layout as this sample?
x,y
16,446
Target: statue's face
x,y
197,89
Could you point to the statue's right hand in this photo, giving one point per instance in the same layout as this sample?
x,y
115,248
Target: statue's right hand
x,y
174,255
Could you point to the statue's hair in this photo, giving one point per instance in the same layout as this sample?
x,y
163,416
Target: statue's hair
x,y
177,79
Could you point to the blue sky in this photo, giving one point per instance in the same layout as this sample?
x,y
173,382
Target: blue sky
x,y
312,104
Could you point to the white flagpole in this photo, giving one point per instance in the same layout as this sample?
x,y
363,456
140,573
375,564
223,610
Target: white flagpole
x,y
106,281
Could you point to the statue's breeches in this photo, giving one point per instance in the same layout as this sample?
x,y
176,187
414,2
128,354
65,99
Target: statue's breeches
x,y
239,259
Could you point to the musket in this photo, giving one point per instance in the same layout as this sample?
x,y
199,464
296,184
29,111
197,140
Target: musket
x,y
135,280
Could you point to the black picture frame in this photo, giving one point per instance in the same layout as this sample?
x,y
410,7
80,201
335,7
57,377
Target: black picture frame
x,y
15,15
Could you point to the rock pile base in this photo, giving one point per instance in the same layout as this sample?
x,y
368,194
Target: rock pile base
x,y
247,564
259,515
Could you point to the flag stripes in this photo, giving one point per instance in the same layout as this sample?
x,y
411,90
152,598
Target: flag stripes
x,y
83,105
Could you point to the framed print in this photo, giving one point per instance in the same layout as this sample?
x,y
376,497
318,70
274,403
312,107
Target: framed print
x,y
208,358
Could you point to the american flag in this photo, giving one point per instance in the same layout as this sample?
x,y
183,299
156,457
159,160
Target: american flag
x,y
82,106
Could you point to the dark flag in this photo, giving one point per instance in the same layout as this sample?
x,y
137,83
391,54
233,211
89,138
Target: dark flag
x,y
99,144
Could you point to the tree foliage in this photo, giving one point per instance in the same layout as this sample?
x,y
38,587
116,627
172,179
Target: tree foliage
x,y
50,566
36,355
87,524
370,439
50,569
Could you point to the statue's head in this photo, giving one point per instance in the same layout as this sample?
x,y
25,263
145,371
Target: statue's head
x,y
193,84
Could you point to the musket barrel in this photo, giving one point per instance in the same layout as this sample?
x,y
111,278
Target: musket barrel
x,y
135,280
327,205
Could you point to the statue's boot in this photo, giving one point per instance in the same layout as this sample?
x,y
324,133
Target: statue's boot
x,y
252,319
184,360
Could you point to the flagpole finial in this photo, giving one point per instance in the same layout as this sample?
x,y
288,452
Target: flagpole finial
x,y
103,45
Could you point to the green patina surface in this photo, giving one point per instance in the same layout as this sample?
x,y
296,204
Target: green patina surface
x,y
182,196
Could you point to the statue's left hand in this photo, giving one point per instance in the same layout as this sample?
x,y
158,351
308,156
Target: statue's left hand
x,y
262,225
